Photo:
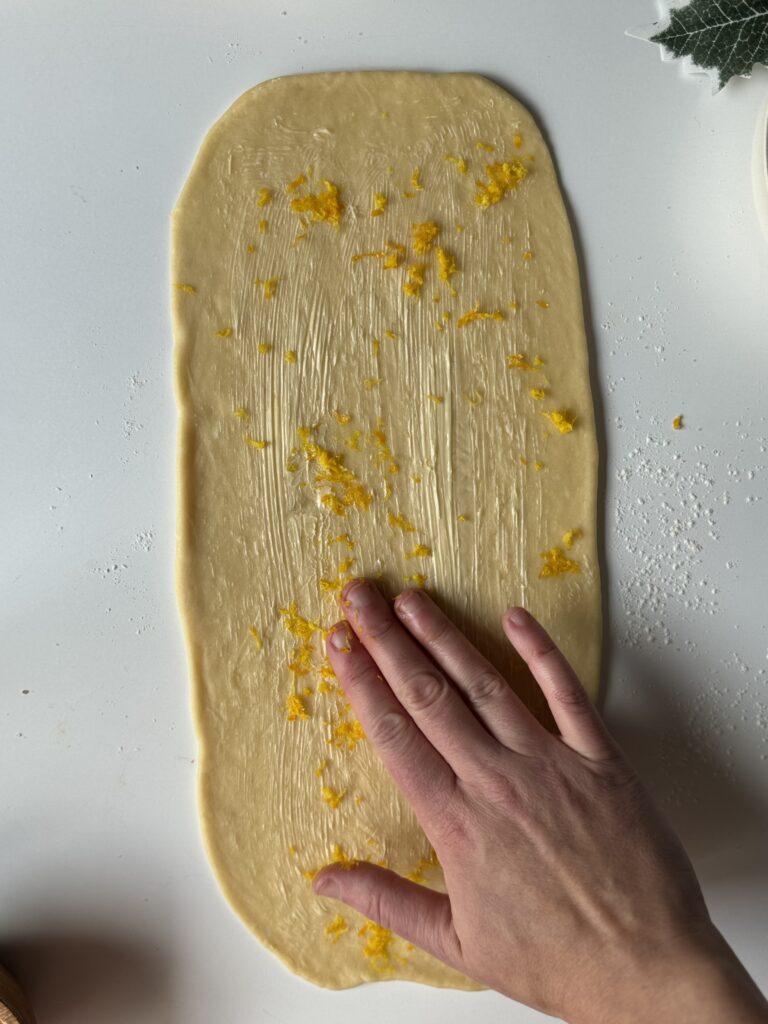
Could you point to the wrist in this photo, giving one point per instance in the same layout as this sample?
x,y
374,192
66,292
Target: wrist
x,y
705,983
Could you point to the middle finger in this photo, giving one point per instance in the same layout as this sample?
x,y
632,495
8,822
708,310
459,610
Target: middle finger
x,y
428,696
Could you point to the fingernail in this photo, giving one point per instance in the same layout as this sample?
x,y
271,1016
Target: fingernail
x,y
326,885
517,616
359,594
340,638
409,601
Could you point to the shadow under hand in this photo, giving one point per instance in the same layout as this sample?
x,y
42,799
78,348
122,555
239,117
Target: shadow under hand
x,y
681,753
90,978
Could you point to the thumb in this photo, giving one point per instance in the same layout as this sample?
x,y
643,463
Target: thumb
x,y
416,913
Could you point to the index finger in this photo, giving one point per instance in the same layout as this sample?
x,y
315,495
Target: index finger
x,y
422,774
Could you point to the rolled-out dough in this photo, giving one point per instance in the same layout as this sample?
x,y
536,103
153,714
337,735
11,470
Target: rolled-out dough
x,y
381,370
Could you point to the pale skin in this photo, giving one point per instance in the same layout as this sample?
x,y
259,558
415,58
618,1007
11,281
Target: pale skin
x,y
566,889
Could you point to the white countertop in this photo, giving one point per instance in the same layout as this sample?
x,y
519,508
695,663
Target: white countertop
x,y
106,901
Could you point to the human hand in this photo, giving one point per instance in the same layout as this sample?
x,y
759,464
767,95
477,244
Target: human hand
x,y
566,890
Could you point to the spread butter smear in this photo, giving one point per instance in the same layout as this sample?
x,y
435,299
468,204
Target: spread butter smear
x,y
381,370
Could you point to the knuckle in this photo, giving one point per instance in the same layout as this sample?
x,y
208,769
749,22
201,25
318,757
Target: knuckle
x,y
485,687
379,628
435,631
391,730
451,829
541,654
572,695
424,690
376,907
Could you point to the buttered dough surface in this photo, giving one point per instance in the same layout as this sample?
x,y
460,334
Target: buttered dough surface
x,y
381,371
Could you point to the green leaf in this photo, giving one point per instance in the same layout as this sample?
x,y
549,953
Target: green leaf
x,y
721,37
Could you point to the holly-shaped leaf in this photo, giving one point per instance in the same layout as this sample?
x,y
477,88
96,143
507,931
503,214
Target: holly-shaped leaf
x,y
720,37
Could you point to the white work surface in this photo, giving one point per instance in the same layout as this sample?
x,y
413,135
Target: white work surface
x,y
107,905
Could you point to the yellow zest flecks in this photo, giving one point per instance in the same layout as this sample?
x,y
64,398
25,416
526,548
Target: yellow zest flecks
x,y
264,347
337,927
292,850
321,206
290,356
537,393
297,182
514,306
399,522
476,314
369,383
379,204
517,141
257,639
415,281
331,471
254,442
295,708
463,519
484,147
375,345
437,399
556,563
250,247
269,285
571,536
424,864
392,255
188,288
423,236
542,303
296,624
473,397
242,413
561,419
321,767
333,797
263,226
339,857
341,417
265,197
383,455
502,178
459,162
418,579
527,255
225,332
346,735
538,466
342,538
677,423
377,942
390,335
416,179
447,267
309,875
518,361
331,586
420,551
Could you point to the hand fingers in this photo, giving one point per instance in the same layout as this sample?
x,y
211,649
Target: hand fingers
x,y
421,688
418,769
581,727
491,697
418,914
